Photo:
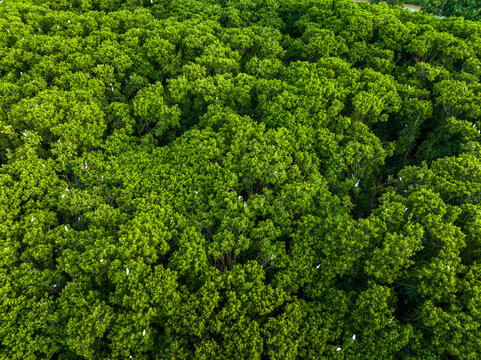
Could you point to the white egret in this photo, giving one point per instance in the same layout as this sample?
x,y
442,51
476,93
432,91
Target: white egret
x,y
357,183
447,267
66,228
338,349
127,271
32,219
353,337
101,260
143,333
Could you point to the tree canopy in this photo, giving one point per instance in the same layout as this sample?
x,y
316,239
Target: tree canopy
x,y
469,9
244,179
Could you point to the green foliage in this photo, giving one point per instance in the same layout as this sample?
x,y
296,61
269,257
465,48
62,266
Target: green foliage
x,y
211,179
469,9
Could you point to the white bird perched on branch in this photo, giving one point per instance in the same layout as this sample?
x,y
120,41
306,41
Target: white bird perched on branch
x,y
127,271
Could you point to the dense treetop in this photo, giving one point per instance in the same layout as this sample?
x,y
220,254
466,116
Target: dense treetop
x,y
246,179
469,9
